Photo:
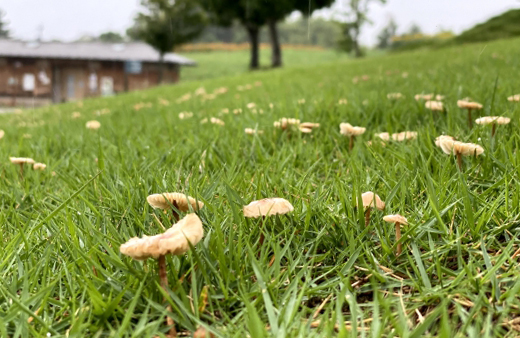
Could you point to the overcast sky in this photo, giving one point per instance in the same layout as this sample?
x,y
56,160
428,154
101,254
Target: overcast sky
x,y
70,19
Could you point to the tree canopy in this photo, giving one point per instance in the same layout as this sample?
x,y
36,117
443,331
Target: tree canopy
x,y
4,32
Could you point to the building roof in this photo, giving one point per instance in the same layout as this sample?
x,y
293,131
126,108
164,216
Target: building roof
x,y
101,51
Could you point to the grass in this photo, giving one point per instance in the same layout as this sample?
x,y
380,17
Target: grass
x,y
232,63
320,271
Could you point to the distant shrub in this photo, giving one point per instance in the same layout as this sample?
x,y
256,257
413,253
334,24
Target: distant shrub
x,y
506,25
407,42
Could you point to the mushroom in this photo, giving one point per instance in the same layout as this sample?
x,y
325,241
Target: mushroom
x,y
514,98
76,114
394,96
405,135
384,136
179,201
371,200
342,101
21,161
217,121
426,97
39,166
2,134
493,120
267,207
434,105
93,125
175,241
398,220
348,130
466,104
459,149
307,127
202,333
285,123
251,131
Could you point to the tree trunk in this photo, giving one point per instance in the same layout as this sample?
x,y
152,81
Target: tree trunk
x,y
252,31
161,68
276,56
357,49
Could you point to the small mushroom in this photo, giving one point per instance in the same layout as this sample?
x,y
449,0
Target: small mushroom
x,y
398,220
348,130
267,207
217,121
466,104
384,136
493,120
514,98
425,97
251,131
76,115
457,148
286,123
21,161
394,96
2,134
94,125
39,166
178,200
405,135
371,200
434,105
175,241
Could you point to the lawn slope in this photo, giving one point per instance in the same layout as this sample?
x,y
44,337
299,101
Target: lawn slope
x,y
320,271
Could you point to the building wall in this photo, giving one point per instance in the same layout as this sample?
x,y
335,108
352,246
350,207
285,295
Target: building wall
x,y
42,81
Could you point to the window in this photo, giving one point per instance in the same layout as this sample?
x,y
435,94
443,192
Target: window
x,y
92,82
28,82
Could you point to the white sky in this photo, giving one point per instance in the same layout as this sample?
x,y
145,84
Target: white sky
x,y
70,19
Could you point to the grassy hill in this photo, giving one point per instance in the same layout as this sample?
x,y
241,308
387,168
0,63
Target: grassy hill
x,y
320,271
506,25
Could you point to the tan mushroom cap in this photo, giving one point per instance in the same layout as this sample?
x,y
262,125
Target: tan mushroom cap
x,y
178,200
426,97
217,121
434,105
21,160
173,241
372,200
452,147
439,139
384,136
284,123
468,104
268,207
348,130
405,135
395,219
251,131
93,124
309,125
305,130
2,134
514,98
39,166
394,96
493,120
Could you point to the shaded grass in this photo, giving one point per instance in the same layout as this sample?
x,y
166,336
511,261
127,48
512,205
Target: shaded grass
x,y
61,271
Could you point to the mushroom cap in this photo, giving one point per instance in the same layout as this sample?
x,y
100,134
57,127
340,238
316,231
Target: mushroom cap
x,y
284,123
467,149
493,120
93,124
305,130
179,200
76,114
405,135
426,97
309,125
434,105
395,219
39,166
439,139
218,121
2,134
267,207
348,130
368,201
173,241
468,104
394,96
251,131
514,98
21,160
384,136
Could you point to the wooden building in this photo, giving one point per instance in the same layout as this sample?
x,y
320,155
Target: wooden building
x,y
38,73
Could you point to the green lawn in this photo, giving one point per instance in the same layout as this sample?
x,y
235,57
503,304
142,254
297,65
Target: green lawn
x,y
220,63
320,271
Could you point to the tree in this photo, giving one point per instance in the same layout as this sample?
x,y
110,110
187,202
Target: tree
x,y
4,32
385,37
167,24
356,18
250,15
415,29
111,37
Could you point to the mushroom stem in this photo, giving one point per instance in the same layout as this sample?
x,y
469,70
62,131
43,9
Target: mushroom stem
x,y
367,216
459,160
470,120
351,143
164,284
493,130
398,237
